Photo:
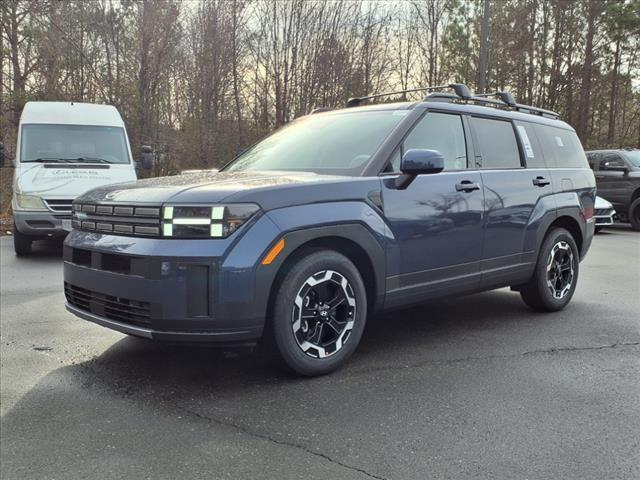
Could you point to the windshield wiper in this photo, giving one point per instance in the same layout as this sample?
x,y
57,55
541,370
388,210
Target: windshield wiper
x,y
91,160
48,160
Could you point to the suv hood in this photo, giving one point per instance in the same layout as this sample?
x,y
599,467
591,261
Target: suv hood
x,y
209,187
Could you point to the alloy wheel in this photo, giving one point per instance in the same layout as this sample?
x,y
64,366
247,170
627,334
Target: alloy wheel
x,y
323,313
560,270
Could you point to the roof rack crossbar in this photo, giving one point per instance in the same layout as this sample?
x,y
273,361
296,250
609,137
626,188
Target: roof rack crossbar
x,y
508,99
460,89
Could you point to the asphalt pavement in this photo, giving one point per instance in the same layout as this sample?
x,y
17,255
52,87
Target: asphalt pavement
x,y
478,387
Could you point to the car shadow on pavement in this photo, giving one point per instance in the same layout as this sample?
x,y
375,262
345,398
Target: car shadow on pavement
x,y
430,332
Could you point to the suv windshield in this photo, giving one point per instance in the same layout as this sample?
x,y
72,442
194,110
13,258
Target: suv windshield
x,y
634,157
81,143
339,144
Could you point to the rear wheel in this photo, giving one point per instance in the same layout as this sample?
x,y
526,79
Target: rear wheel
x,y
634,214
598,229
320,313
556,274
21,242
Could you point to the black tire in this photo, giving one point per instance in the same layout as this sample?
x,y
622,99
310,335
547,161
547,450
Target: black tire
x,y
21,243
317,266
634,214
537,293
598,229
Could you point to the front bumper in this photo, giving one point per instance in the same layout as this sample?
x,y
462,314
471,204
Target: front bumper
x,y
42,223
171,289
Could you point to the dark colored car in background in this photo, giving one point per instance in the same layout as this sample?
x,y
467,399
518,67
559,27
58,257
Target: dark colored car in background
x,y
618,180
339,214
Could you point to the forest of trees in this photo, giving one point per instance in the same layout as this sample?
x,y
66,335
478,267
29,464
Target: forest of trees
x,y
200,80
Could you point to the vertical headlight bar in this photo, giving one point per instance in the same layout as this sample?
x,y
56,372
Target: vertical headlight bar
x,y
198,221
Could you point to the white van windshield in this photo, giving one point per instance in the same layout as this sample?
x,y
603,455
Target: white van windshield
x,y
73,143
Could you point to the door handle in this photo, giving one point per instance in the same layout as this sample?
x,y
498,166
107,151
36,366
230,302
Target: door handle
x,y
467,186
540,182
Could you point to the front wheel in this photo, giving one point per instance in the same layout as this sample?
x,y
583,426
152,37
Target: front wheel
x,y
320,312
556,274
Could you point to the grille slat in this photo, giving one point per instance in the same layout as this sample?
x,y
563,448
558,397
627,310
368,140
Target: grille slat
x,y
143,221
115,308
59,205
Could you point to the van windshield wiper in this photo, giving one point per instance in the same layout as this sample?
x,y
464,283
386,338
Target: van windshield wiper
x,y
91,160
48,160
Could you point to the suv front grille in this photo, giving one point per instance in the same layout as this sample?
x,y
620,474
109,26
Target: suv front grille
x,y
119,219
59,205
114,308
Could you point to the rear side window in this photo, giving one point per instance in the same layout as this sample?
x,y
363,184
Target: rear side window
x,y
443,132
533,155
497,142
562,148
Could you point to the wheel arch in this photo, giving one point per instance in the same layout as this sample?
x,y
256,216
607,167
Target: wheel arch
x,y
354,241
572,226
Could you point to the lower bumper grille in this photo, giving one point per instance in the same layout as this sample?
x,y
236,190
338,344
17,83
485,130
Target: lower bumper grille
x,y
114,308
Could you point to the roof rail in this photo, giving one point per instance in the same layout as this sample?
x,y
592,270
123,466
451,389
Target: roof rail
x,y
460,89
507,99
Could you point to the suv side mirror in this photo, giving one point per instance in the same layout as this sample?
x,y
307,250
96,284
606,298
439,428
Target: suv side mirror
x,y
146,157
418,162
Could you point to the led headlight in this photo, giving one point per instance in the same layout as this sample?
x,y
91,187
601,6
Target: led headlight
x,y
29,202
204,221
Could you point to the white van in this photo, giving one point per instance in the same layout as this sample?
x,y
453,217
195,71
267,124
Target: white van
x,y
64,149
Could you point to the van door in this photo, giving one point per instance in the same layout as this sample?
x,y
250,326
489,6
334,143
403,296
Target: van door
x,y
437,220
511,195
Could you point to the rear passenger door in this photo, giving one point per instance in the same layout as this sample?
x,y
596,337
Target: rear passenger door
x,y
437,221
511,195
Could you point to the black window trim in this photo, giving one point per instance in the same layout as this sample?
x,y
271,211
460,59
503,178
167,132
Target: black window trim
x,y
465,131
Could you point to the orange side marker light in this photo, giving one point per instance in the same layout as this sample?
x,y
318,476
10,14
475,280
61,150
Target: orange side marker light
x,y
273,253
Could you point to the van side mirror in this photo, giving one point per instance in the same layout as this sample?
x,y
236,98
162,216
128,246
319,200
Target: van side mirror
x,y
418,162
146,157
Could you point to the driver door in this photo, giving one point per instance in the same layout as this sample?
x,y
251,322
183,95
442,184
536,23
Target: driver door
x,y
437,221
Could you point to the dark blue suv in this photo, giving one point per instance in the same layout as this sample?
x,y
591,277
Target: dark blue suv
x,y
337,215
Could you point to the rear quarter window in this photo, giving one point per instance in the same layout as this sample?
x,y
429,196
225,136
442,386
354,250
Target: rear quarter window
x,y
562,148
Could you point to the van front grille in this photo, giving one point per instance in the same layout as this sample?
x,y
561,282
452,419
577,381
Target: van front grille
x,y
133,220
59,205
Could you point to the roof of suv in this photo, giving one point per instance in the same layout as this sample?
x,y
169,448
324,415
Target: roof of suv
x,y
486,111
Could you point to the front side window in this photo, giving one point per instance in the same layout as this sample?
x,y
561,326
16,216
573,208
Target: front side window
x,y
611,160
436,131
497,142
88,143
339,144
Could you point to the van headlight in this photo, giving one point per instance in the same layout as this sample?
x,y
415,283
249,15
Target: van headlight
x,y
29,202
204,221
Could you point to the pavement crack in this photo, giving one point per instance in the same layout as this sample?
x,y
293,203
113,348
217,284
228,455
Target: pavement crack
x,y
275,441
581,349
551,350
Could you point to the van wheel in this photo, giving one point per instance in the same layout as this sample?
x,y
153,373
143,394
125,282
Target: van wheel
x,y
556,273
21,242
319,313
634,214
